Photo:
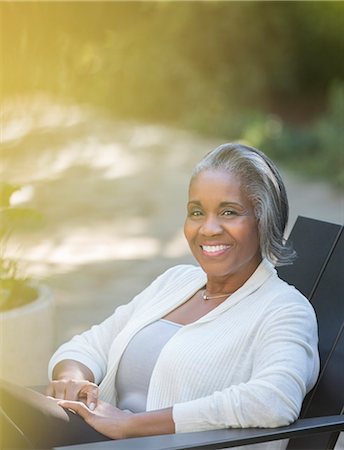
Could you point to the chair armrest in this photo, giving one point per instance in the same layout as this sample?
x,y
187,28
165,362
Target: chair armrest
x,y
218,439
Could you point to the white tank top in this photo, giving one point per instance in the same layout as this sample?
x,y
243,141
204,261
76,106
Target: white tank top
x,y
137,364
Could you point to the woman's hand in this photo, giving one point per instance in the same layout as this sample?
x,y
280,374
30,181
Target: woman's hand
x,y
105,418
117,424
77,390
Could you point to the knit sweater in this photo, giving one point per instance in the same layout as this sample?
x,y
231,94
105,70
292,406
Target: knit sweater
x,y
247,363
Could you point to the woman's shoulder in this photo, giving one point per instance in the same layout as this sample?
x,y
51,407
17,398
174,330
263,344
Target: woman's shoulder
x,y
268,285
287,295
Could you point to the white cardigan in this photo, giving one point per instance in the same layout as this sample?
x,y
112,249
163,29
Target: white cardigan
x,y
247,363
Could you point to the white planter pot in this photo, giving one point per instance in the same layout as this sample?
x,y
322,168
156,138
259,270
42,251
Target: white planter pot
x,y
27,340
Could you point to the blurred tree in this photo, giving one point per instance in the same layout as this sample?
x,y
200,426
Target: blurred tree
x,y
188,54
213,66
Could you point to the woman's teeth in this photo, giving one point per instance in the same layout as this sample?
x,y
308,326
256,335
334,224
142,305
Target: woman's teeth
x,y
214,248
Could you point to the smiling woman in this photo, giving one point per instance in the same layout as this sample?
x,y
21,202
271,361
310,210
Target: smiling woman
x,y
222,230
223,344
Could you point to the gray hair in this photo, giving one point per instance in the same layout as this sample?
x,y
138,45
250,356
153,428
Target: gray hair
x,y
264,187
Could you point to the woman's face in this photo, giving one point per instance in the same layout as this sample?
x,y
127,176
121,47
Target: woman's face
x,y
221,227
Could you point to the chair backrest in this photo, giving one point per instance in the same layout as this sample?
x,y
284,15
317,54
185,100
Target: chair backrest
x,y
318,274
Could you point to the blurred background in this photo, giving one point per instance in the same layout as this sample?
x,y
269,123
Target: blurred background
x,y
106,107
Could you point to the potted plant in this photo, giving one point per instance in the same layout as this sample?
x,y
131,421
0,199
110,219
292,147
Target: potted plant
x,y
26,306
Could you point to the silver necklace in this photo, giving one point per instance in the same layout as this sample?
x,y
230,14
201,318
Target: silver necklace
x,y
212,297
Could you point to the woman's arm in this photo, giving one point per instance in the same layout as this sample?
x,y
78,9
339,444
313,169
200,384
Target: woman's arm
x,y
81,363
151,423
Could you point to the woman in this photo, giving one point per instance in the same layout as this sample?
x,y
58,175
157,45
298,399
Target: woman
x,y
225,343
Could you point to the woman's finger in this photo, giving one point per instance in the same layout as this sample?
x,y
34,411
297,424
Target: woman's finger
x,y
73,390
78,407
92,397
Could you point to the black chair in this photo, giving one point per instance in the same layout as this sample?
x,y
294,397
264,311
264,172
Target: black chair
x,y
318,274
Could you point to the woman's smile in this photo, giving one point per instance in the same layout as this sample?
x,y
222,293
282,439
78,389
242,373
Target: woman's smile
x,y
214,250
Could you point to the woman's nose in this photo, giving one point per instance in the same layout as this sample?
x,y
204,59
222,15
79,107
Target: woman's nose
x,y
211,226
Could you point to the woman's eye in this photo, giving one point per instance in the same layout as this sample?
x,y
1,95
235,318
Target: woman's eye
x,y
229,212
195,213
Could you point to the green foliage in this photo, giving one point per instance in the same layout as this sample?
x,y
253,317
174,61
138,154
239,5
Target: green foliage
x,y
15,288
161,59
314,149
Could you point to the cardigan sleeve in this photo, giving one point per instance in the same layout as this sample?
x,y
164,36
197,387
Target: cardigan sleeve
x,y
285,368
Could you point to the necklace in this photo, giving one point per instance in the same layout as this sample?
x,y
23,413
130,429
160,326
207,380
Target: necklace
x,y
205,296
